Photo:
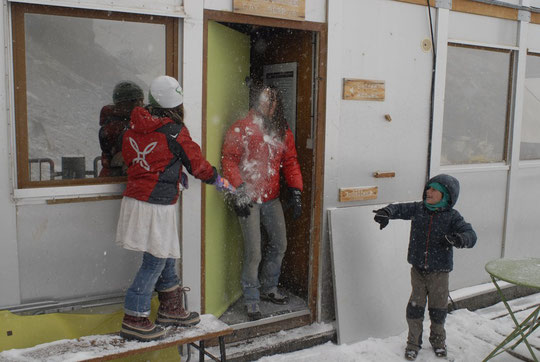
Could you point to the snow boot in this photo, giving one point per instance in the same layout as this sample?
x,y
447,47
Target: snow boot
x,y
140,328
440,351
275,297
253,311
171,310
410,354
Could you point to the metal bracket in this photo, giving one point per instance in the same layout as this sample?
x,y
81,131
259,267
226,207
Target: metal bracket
x,y
444,4
524,15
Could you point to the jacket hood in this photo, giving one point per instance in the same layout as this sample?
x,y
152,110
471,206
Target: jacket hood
x,y
143,122
451,184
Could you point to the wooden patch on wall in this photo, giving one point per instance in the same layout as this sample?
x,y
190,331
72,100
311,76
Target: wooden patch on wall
x,y
282,9
363,89
358,193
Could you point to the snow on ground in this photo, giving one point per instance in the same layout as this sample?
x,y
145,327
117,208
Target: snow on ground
x,y
471,336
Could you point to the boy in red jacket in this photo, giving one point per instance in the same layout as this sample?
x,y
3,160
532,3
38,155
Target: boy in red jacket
x,y
256,150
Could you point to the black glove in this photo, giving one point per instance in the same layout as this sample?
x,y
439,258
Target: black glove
x,y
295,201
239,200
382,216
454,240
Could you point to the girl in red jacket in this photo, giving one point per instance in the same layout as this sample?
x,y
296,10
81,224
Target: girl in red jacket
x,y
155,149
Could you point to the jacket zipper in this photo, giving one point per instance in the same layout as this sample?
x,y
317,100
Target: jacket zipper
x,y
427,241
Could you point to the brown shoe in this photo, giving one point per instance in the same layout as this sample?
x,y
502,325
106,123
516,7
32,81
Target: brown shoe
x,y
140,328
171,310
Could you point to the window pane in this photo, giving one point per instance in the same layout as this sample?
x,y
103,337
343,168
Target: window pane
x,y
530,128
72,66
475,108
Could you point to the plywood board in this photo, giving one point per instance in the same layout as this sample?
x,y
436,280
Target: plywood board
x,y
371,274
283,9
363,89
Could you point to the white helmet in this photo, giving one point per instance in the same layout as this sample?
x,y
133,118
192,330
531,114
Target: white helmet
x,y
165,92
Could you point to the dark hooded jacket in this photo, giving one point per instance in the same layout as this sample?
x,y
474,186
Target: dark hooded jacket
x,y
428,248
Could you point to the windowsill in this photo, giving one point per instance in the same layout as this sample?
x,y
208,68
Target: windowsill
x,y
43,194
477,167
529,164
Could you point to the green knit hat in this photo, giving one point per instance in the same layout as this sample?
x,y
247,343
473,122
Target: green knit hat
x,y
444,201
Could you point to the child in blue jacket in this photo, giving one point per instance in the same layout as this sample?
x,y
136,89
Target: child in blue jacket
x,y
436,228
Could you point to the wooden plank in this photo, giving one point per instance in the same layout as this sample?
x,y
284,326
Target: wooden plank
x,y
71,200
363,89
358,193
535,18
473,7
112,346
283,9
384,174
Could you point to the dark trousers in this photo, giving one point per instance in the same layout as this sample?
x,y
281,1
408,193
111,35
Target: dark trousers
x,y
433,288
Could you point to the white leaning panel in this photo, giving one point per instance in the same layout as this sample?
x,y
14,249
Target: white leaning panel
x,y
371,274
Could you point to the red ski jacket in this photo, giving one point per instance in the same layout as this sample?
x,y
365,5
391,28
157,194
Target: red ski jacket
x,y
250,155
155,149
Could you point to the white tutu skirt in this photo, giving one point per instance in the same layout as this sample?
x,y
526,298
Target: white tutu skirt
x,y
143,226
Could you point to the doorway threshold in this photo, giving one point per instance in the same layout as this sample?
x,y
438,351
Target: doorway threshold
x,y
282,341
271,319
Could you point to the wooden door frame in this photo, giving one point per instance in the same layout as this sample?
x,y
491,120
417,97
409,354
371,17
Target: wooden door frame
x,y
318,167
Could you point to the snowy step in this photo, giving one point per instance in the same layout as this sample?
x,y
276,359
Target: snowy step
x,y
279,342
112,346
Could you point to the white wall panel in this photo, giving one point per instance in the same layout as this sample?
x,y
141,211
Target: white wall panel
x,y
524,241
382,41
482,29
68,251
533,39
158,7
9,262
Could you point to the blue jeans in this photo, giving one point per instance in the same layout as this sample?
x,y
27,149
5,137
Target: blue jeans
x,y
154,273
270,215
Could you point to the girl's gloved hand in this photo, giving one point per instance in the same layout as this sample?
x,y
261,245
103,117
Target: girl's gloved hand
x,y
223,185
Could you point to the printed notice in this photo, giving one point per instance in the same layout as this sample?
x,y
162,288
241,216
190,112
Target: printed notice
x,y
358,193
363,90
283,9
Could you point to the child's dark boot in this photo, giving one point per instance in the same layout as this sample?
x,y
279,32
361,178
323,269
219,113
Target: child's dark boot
x,y
440,351
411,354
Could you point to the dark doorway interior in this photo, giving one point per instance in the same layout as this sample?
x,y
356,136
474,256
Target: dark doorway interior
x,y
270,46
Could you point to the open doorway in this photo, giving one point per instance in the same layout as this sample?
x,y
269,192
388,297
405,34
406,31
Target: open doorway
x,y
241,56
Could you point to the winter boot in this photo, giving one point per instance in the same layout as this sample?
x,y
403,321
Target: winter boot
x,y
140,328
410,354
171,310
440,351
253,311
275,297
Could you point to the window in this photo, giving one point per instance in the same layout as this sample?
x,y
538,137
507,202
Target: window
x,y
476,107
530,127
66,65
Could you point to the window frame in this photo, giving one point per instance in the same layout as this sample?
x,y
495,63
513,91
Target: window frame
x,y
18,11
528,161
509,104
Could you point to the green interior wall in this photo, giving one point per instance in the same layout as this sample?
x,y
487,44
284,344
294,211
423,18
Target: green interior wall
x,y
227,100
27,331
